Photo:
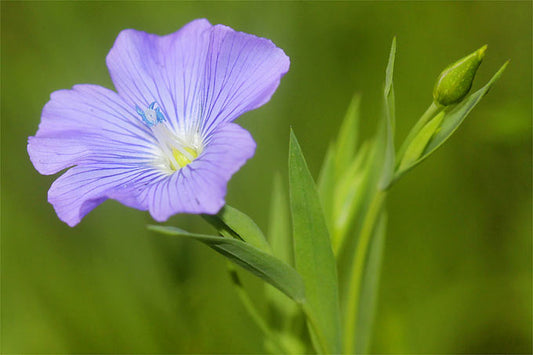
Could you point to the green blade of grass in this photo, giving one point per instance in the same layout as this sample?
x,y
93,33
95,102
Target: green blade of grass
x,y
313,254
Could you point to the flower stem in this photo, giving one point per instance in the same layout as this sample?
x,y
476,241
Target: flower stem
x,y
253,312
356,272
431,111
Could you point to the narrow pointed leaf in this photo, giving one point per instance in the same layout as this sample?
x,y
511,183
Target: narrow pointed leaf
x,y
313,254
261,264
370,287
281,309
430,113
418,144
389,110
353,255
348,135
231,222
326,184
279,233
390,68
368,187
349,196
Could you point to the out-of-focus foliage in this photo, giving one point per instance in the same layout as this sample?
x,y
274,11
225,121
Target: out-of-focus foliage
x,y
457,265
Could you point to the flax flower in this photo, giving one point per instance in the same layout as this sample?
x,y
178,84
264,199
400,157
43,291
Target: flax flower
x,y
165,141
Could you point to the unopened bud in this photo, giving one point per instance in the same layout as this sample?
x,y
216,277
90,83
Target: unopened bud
x,y
456,80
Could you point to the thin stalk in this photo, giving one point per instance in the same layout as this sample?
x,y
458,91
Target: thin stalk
x,y
356,273
431,111
253,312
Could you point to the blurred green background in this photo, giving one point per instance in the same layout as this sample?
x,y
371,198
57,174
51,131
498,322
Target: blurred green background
x,y
457,275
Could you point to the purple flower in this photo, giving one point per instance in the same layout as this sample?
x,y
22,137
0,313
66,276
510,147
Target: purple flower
x,y
165,142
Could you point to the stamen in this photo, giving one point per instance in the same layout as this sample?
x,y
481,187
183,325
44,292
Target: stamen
x,y
178,151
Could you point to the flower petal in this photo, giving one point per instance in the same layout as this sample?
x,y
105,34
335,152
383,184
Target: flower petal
x,y
201,76
242,73
85,124
200,187
82,188
147,68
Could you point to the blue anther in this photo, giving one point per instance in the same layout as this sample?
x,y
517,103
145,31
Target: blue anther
x,y
145,120
160,116
152,116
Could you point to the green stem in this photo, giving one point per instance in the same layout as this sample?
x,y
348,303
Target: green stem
x,y
431,111
253,312
356,274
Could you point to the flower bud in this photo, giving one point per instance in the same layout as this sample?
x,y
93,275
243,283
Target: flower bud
x,y
456,80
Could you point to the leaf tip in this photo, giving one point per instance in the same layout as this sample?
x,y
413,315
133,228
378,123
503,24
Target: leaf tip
x,y
293,140
505,64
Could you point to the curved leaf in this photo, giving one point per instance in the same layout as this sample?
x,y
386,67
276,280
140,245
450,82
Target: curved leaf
x,y
267,267
230,222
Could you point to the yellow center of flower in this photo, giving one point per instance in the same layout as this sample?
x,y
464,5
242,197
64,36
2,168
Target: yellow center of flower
x,y
181,159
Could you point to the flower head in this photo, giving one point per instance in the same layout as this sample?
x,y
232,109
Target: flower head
x,y
165,141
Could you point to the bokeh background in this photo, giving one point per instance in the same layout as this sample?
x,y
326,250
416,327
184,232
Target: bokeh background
x,y
457,276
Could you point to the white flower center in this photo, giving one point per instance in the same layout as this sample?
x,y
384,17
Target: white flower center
x,y
178,151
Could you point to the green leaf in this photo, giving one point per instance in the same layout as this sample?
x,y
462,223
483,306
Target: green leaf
x,y
326,184
348,231
231,222
349,196
261,264
451,121
282,309
336,162
353,254
370,287
347,138
353,292
279,225
418,144
314,258
430,113
346,250
390,68
389,109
